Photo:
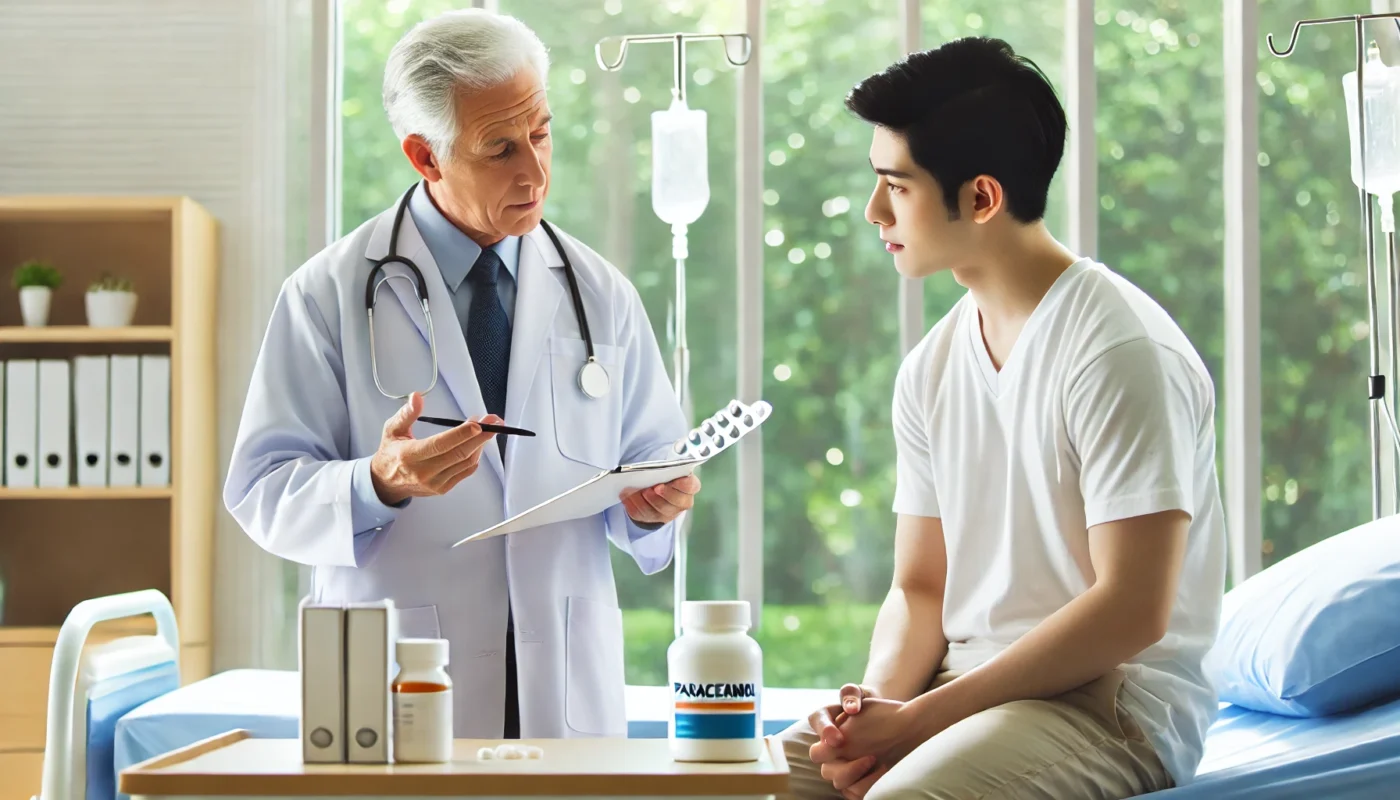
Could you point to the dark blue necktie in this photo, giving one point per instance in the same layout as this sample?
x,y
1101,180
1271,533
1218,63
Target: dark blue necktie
x,y
488,334
488,341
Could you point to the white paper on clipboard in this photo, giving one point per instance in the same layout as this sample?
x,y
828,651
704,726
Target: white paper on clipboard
x,y
603,491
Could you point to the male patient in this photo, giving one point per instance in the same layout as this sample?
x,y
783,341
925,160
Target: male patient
x,y
1059,551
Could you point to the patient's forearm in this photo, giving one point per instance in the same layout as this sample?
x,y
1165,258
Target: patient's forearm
x,y
907,646
1084,640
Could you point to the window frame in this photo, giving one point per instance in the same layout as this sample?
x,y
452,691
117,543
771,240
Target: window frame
x,y
1242,393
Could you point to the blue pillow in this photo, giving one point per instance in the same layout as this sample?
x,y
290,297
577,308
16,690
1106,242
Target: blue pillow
x,y
1318,633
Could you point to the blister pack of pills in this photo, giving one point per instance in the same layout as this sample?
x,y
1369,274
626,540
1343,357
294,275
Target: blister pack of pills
x,y
721,431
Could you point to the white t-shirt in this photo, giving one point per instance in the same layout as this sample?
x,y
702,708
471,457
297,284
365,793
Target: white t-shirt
x,y
1102,411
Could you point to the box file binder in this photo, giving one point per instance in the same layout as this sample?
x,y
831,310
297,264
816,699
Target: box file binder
x,y
3,459
90,419
154,469
21,423
322,664
55,433
369,638
124,404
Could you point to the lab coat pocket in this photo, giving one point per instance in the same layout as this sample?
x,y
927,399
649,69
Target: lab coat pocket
x,y
594,698
588,429
417,622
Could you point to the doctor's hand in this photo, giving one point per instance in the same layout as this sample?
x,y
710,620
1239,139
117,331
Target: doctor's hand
x,y
405,467
662,503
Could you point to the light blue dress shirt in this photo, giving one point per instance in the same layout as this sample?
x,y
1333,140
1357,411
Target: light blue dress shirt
x,y
455,254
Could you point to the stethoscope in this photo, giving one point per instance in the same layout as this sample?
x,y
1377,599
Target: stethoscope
x,y
593,379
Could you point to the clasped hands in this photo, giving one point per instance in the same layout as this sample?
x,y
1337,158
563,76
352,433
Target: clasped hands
x,y
862,736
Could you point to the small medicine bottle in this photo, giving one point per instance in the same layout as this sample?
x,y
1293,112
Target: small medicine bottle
x,y
422,702
716,672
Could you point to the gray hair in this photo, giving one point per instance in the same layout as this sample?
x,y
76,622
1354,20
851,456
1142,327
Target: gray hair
x,y
470,49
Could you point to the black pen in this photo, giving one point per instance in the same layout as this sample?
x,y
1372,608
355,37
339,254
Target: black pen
x,y
499,430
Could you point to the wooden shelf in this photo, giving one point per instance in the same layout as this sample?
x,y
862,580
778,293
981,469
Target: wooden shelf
x,y
81,334
88,493
55,554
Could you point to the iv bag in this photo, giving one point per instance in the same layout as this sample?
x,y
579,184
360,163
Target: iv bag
x,y
1382,95
680,184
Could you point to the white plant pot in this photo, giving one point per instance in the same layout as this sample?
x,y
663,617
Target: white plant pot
x,y
110,309
34,305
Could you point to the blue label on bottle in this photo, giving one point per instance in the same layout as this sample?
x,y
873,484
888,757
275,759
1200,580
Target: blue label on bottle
x,y
715,710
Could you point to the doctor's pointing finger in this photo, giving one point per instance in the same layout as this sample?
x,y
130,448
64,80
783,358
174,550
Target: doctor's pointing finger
x,y
461,302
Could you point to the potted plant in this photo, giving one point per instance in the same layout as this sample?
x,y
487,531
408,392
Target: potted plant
x,y
36,280
110,303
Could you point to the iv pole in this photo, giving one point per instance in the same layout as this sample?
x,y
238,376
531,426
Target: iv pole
x,y
1376,388
681,356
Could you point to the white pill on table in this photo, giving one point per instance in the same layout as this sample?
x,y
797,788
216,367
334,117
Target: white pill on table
x,y
512,753
533,752
485,754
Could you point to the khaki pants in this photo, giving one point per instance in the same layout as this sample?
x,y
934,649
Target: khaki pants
x,y
1081,744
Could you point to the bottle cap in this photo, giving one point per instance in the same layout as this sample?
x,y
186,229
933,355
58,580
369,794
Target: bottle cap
x,y
420,653
703,614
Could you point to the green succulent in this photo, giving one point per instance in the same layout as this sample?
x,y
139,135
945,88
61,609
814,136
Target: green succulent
x,y
37,273
107,283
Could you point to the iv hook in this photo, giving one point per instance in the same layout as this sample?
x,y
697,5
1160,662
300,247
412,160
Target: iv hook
x,y
1297,26
743,40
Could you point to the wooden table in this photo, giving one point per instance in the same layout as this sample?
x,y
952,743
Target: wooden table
x,y
236,765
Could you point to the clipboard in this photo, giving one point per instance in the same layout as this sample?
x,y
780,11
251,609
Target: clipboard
x,y
711,437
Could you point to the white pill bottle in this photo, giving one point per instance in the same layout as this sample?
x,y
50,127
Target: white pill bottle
x,y
716,673
422,702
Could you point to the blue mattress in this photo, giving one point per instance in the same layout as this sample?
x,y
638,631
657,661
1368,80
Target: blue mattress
x,y
1247,754
1254,755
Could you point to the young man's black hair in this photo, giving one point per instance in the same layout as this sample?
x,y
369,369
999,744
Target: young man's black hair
x,y
972,107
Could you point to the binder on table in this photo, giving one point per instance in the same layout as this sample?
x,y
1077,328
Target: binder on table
x,y
154,469
21,422
55,441
124,422
369,638
604,490
90,419
322,666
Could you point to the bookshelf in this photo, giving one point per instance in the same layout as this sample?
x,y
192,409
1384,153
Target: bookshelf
x,y
59,546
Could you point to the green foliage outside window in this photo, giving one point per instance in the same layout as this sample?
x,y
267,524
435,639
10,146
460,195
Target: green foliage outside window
x,y
831,333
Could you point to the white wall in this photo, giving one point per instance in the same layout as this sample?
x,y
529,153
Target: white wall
x,y
190,97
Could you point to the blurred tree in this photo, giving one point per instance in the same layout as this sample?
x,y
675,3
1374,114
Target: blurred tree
x,y
831,333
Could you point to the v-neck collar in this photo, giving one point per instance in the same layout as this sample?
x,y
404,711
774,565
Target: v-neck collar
x,y
995,379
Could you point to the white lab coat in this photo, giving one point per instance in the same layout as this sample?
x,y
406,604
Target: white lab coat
x,y
313,410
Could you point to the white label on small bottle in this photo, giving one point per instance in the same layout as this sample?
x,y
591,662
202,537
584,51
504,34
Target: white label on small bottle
x,y
423,726
715,710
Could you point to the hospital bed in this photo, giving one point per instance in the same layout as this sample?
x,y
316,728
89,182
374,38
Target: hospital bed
x,y
124,705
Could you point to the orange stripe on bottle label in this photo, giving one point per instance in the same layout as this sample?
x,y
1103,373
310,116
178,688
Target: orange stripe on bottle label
x,y
416,687
714,707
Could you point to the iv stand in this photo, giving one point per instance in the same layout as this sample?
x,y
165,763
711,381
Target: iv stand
x,y
681,357
1376,388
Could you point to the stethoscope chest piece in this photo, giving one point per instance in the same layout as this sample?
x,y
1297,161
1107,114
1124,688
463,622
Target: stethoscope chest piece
x,y
593,379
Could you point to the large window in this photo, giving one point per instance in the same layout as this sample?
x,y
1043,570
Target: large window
x,y
1313,284
831,323
602,193
1160,131
829,362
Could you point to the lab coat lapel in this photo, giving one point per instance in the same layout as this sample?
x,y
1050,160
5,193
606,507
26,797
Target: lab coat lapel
x,y
455,368
536,304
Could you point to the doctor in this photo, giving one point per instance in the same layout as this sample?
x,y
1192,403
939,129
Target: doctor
x,y
332,466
